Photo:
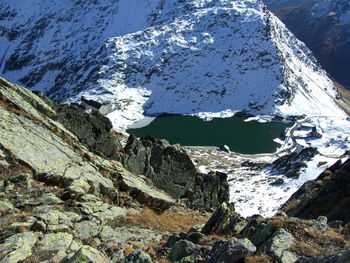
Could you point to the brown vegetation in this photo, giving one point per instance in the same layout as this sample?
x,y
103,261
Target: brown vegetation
x,y
173,220
257,259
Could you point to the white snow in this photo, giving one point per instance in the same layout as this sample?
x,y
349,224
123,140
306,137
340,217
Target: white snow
x,y
208,58
205,58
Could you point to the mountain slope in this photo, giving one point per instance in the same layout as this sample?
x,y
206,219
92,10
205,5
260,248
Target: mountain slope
x,y
324,27
208,58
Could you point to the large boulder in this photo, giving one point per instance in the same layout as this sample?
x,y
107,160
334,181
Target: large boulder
x,y
181,249
224,221
279,246
232,250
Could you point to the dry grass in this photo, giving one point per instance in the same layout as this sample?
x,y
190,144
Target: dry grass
x,y
290,205
327,173
276,223
319,182
163,260
180,220
257,259
128,250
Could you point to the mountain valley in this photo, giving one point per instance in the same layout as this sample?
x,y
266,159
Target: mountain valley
x,y
77,187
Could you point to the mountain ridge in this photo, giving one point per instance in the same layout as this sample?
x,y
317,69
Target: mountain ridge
x,y
231,54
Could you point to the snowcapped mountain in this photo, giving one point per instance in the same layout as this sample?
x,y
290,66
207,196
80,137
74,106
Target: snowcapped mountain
x,y
201,57
324,26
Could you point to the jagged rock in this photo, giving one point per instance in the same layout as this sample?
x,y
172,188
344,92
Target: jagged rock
x,y
18,247
291,164
342,256
209,191
87,254
327,195
171,169
87,229
232,250
93,130
144,193
321,224
223,221
261,234
279,245
181,249
138,256
56,241
251,227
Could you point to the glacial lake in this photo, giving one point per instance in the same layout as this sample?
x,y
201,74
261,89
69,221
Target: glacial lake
x,y
243,137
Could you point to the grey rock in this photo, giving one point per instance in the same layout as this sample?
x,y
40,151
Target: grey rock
x,y
93,130
172,239
261,234
138,256
171,169
320,224
53,218
87,229
87,254
279,245
107,233
56,241
224,221
101,210
49,199
232,250
181,249
18,247
5,205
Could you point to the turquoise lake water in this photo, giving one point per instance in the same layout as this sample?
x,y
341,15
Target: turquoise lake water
x,y
243,137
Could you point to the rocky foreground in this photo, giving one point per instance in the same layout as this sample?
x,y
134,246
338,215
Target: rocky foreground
x,y
72,193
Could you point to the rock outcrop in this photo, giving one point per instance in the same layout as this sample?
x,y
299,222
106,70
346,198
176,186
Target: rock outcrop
x,y
170,168
327,195
93,130
62,201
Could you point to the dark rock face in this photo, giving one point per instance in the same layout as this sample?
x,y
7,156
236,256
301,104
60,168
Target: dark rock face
x,y
93,130
328,195
170,168
290,165
224,221
325,35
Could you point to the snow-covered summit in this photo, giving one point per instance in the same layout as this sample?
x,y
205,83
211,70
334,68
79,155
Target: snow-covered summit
x,y
202,57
